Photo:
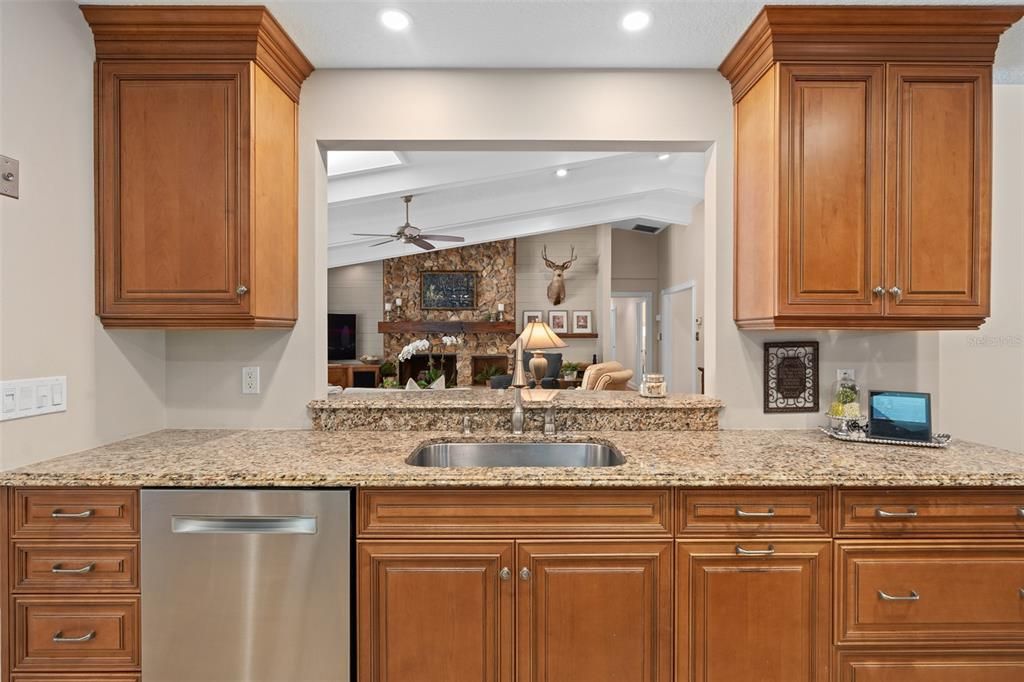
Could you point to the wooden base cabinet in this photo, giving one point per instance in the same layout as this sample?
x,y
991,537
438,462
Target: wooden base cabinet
x,y
599,611
435,611
930,666
753,610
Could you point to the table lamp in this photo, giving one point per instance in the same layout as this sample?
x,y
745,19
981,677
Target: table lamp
x,y
538,337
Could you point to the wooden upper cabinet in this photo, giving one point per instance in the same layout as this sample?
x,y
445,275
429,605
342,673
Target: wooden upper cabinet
x,y
197,178
863,166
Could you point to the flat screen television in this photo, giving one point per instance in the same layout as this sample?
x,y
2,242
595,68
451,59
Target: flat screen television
x,y
341,337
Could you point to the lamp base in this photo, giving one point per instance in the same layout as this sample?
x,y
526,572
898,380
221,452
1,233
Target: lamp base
x,y
538,366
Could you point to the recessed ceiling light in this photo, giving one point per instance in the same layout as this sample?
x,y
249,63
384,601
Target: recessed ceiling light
x,y
561,172
663,157
395,19
637,20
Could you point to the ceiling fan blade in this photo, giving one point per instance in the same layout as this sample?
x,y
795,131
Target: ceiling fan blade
x,y
444,238
369,234
422,243
386,241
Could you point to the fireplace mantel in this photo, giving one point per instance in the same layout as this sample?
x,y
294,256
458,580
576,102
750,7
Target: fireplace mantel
x,y
446,327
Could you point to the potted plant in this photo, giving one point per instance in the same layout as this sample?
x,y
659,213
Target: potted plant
x,y
488,373
570,370
388,369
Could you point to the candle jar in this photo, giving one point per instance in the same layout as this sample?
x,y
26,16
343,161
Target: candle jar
x,y
653,386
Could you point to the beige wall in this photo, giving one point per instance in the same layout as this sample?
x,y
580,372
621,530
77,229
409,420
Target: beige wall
x,y
532,278
681,259
635,266
982,372
359,290
47,325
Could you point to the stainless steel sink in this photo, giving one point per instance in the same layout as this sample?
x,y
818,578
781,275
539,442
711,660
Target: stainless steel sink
x,y
516,455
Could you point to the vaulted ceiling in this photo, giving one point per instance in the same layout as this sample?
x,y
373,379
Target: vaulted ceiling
x,y
483,196
683,34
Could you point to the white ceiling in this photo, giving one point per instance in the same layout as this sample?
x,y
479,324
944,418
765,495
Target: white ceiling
x,y
483,196
540,33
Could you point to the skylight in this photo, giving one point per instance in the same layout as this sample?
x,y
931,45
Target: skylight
x,y
347,162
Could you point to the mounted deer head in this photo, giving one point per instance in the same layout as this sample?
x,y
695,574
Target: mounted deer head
x,y
556,288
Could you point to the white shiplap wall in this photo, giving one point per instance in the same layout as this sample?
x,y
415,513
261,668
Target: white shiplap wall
x,y
359,289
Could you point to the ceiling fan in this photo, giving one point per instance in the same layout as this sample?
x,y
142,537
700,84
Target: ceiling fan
x,y
410,234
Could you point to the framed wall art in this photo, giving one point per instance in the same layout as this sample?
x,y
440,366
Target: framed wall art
x,y
448,290
558,320
791,376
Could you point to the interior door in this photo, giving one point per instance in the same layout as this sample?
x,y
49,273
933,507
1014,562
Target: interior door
x,y
831,189
435,611
171,237
939,182
753,610
594,611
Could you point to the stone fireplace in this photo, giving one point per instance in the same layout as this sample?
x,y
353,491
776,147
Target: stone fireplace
x,y
495,266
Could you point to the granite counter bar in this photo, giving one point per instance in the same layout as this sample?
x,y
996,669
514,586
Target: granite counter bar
x,y
653,458
490,410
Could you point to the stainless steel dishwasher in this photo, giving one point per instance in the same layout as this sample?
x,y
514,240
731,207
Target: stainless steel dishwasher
x,y
246,585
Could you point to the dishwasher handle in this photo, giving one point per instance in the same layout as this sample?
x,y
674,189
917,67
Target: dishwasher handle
x,y
244,525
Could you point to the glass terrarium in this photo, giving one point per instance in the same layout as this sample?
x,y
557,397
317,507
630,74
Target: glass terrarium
x,y
845,408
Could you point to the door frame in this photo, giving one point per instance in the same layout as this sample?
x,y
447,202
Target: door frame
x,y
666,330
648,297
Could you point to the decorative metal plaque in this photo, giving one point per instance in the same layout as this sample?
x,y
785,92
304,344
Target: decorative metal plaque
x,y
448,290
791,376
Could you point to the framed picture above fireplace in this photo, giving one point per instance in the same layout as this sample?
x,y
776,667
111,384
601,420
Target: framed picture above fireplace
x,y
447,290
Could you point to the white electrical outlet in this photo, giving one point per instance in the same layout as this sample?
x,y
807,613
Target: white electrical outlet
x,y
33,397
250,380
846,375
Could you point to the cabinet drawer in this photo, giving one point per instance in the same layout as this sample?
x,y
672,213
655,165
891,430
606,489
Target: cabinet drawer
x,y
58,677
930,592
45,566
98,633
753,512
76,513
421,513
936,512
924,666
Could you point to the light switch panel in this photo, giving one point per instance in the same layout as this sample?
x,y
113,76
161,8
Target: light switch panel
x,y
33,397
9,177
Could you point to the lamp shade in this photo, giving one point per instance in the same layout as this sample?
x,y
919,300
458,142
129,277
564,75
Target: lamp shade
x,y
539,336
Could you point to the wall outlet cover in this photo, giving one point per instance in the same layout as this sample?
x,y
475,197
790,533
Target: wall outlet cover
x,y
250,380
33,397
846,375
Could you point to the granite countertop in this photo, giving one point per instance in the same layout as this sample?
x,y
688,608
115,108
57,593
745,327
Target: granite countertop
x,y
487,398
653,458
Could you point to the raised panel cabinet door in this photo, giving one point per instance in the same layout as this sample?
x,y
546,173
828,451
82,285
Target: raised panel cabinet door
x,y
939,185
930,666
831,189
435,611
753,610
173,181
599,611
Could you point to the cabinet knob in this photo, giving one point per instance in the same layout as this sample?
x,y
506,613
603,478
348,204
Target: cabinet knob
x,y
505,574
896,292
879,291
524,573
241,289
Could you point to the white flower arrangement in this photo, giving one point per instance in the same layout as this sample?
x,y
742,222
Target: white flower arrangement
x,y
451,340
413,348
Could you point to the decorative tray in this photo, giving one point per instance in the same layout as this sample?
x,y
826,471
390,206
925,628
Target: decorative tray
x,y
939,440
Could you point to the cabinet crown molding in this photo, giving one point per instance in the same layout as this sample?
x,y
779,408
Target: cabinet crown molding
x,y
868,33
242,32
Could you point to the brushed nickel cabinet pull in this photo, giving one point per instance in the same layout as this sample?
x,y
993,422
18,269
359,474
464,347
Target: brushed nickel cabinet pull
x,y
524,573
878,291
911,513
896,292
241,290
58,514
57,568
913,596
59,637
504,573
742,551
751,515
